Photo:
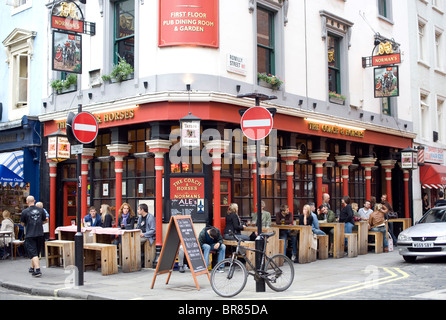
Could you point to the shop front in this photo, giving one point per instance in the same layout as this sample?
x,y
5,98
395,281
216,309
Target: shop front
x,y
137,157
19,164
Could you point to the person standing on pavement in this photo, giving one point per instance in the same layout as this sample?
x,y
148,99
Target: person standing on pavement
x,y
32,219
441,201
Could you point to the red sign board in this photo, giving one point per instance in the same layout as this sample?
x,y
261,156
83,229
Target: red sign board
x,y
256,123
85,127
189,22
386,59
67,24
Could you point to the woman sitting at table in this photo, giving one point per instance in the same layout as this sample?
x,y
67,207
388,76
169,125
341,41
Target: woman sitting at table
x,y
126,217
346,217
306,219
7,225
234,225
106,216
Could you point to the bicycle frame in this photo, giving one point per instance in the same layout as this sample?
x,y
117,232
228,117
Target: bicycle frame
x,y
257,272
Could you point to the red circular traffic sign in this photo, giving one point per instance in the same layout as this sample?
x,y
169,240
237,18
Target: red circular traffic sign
x,y
85,127
256,123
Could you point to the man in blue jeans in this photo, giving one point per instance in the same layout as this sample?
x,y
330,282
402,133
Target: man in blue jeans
x,y
210,240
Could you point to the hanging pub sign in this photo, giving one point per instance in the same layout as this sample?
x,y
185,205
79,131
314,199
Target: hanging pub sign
x,y
66,15
67,52
386,82
189,22
386,55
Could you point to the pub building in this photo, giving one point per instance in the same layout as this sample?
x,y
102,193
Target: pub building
x,y
318,145
137,157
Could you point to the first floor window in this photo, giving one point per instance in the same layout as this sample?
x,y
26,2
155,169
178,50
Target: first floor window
x,y
124,31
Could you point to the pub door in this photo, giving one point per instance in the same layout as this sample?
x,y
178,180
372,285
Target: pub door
x,y
69,203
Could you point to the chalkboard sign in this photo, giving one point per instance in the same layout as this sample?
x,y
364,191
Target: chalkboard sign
x,y
181,231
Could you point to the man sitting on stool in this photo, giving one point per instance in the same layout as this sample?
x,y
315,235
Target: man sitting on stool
x,y
210,240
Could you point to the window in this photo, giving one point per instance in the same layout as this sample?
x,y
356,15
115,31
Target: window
x,y
441,120
425,123
334,64
124,31
438,50
265,41
19,50
385,9
336,32
421,41
387,106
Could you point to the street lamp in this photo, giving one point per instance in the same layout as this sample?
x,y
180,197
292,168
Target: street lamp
x,y
58,146
409,159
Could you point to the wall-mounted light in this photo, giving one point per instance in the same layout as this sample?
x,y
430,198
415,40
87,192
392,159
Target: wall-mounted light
x,y
90,95
372,118
301,102
238,87
314,105
361,115
146,84
44,105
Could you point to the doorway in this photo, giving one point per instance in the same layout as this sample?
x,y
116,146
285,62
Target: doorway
x,y
70,203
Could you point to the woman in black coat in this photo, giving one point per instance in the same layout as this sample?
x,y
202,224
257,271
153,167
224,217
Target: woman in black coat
x,y
233,224
346,215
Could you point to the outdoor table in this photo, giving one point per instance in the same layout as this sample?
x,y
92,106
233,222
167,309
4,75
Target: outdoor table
x,y
363,231
338,237
273,242
407,222
4,235
130,253
305,238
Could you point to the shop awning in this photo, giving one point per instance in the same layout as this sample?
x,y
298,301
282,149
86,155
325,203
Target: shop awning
x,y
11,169
433,176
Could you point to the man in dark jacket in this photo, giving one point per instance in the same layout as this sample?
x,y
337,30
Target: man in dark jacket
x,y
441,201
211,241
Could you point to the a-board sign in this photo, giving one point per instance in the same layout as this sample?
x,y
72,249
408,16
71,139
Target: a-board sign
x,y
181,231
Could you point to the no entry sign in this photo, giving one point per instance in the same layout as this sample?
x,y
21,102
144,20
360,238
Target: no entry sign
x,y
256,123
85,127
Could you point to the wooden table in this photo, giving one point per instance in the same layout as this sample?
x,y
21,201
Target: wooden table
x,y
130,255
338,237
305,238
407,222
363,232
272,247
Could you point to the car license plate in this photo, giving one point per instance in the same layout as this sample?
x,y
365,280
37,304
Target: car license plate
x,y
423,245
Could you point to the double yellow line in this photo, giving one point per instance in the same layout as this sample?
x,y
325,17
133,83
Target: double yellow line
x,y
394,274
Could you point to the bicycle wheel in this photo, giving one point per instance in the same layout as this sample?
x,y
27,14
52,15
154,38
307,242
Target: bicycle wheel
x,y
231,281
279,272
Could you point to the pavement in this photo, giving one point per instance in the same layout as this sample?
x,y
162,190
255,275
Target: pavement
x,y
310,281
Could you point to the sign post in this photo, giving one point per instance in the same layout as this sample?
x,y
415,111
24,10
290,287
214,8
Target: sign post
x,y
84,129
256,124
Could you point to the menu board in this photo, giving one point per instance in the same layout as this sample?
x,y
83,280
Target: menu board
x,y
187,197
181,231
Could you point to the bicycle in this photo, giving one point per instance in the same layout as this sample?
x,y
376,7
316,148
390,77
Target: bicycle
x,y
229,276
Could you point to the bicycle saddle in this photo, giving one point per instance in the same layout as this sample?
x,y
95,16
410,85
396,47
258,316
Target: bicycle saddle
x,y
267,235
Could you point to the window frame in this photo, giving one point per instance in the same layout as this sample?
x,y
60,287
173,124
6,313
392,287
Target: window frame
x,y
116,39
272,43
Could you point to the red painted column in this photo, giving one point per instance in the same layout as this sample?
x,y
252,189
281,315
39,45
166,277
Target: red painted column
x,y
290,155
345,161
217,148
368,163
118,151
388,165
319,159
53,176
159,148
406,175
87,154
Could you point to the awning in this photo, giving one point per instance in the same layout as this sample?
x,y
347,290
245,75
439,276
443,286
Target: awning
x,y
11,169
433,176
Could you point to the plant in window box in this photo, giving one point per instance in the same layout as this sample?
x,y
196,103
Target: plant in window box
x,y
67,85
121,71
268,80
336,97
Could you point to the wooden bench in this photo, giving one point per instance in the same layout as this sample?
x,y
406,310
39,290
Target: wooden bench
x,y
109,258
58,250
248,244
149,254
322,247
352,244
379,241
